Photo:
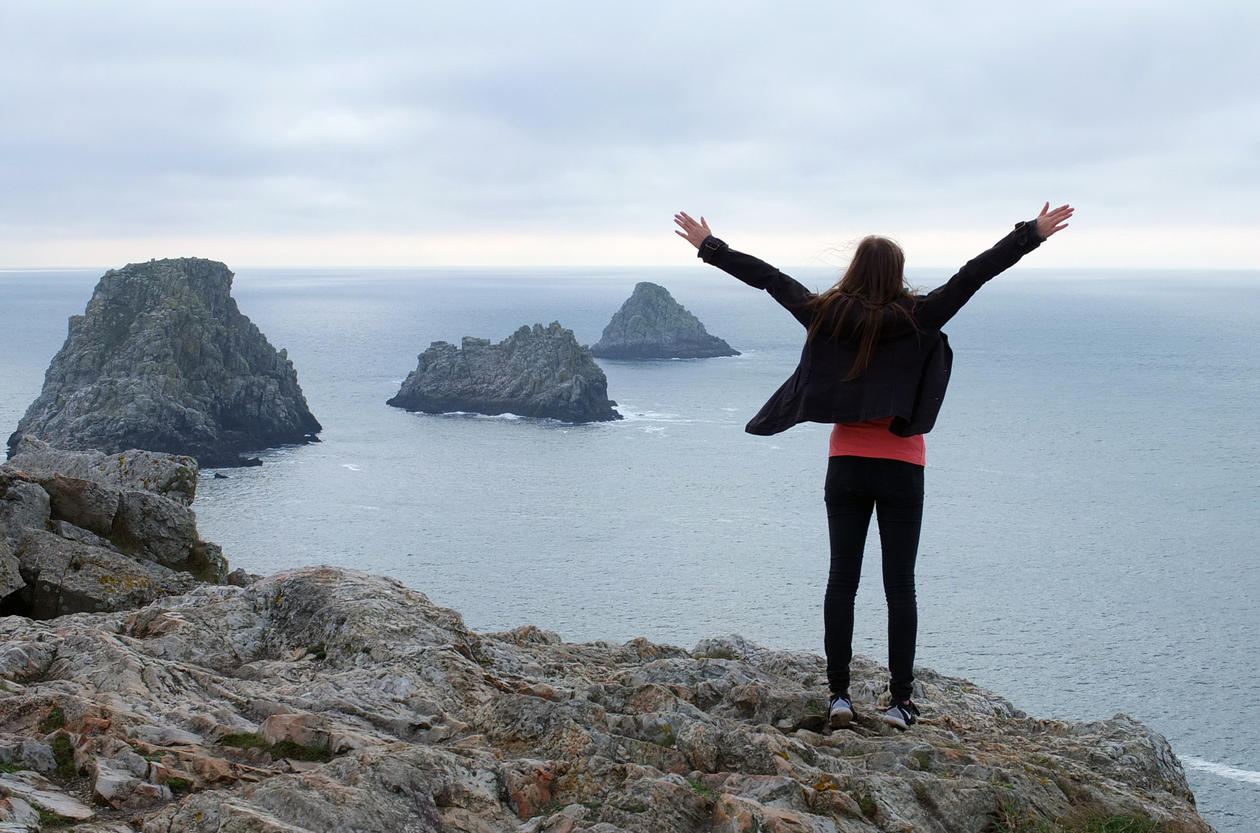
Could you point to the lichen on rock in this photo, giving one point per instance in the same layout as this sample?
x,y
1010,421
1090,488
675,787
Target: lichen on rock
x,y
162,359
536,372
652,325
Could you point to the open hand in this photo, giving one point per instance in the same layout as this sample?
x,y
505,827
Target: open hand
x,y
1048,222
691,231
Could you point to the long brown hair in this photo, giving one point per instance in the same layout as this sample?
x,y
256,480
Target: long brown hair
x,y
874,281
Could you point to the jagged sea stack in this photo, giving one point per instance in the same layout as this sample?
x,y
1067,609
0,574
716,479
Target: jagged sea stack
x,y
652,325
162,359
538,372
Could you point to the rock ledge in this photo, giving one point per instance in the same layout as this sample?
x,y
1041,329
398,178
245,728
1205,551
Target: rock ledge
x,y
323,699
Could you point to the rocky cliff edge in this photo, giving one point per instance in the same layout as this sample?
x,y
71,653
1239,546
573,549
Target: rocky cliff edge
x,y
323,700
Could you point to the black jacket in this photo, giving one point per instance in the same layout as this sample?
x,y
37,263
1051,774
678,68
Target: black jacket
x,y
908,375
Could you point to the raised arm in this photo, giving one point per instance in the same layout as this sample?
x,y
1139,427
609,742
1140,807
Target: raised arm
x,y
756,273
940,305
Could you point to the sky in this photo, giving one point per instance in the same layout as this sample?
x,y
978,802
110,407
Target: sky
x,y
563,133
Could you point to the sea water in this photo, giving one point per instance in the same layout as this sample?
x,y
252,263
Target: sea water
x,y
1093,482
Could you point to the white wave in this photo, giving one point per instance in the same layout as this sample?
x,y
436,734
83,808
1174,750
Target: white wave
x,y
475,415
1223,770
350,466
653,429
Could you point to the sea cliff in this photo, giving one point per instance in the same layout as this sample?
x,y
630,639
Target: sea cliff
x,y
325,699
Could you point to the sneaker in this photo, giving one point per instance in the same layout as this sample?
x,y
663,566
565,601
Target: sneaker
x,y
901,715
840,713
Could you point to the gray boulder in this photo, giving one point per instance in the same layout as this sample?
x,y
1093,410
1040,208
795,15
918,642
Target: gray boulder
x,y
10,576
103,542
63,576
162,359
652,325
538,372
168,475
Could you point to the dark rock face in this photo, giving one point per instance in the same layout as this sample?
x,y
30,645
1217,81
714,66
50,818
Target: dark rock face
x,y
652,325
90,532
162,359
538,372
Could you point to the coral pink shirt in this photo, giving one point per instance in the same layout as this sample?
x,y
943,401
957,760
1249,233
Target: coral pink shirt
x,y
873,439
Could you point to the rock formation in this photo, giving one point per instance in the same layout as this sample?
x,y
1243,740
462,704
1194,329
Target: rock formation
x,y
321,700
162,359
539,372
85,531
652,325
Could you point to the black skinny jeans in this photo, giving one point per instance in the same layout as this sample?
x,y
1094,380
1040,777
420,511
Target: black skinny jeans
x,y
894,489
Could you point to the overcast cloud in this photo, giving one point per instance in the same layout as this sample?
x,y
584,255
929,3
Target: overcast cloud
x,y
565,132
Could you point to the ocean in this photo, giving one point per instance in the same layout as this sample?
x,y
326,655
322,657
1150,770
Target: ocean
x,y
1093,482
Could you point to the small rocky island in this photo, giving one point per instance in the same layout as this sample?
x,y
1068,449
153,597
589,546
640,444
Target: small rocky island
x,y
325,699
535,372
90,532
163,360
652,325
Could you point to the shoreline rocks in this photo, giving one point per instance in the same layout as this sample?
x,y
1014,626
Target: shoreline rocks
x,y
536,372
85,531
328,699
652,325
162,359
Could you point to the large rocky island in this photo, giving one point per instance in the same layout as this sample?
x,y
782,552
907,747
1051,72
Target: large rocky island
x,y
652,325
535,372
322,699
163,360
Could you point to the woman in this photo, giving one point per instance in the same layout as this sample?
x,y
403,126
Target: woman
x,y
875,364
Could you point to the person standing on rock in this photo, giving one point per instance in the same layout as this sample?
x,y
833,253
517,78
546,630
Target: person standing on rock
x,y
875,365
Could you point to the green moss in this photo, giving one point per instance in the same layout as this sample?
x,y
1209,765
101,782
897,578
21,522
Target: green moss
x,y
54,721
11,767
298,752
317,651
867,805
283,749
178,785
48,820
63,753
703,790
1011,819
243,740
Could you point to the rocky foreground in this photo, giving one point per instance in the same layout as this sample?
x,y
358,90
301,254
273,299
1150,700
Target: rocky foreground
x,y
82,531
162,359
331,700
535,372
